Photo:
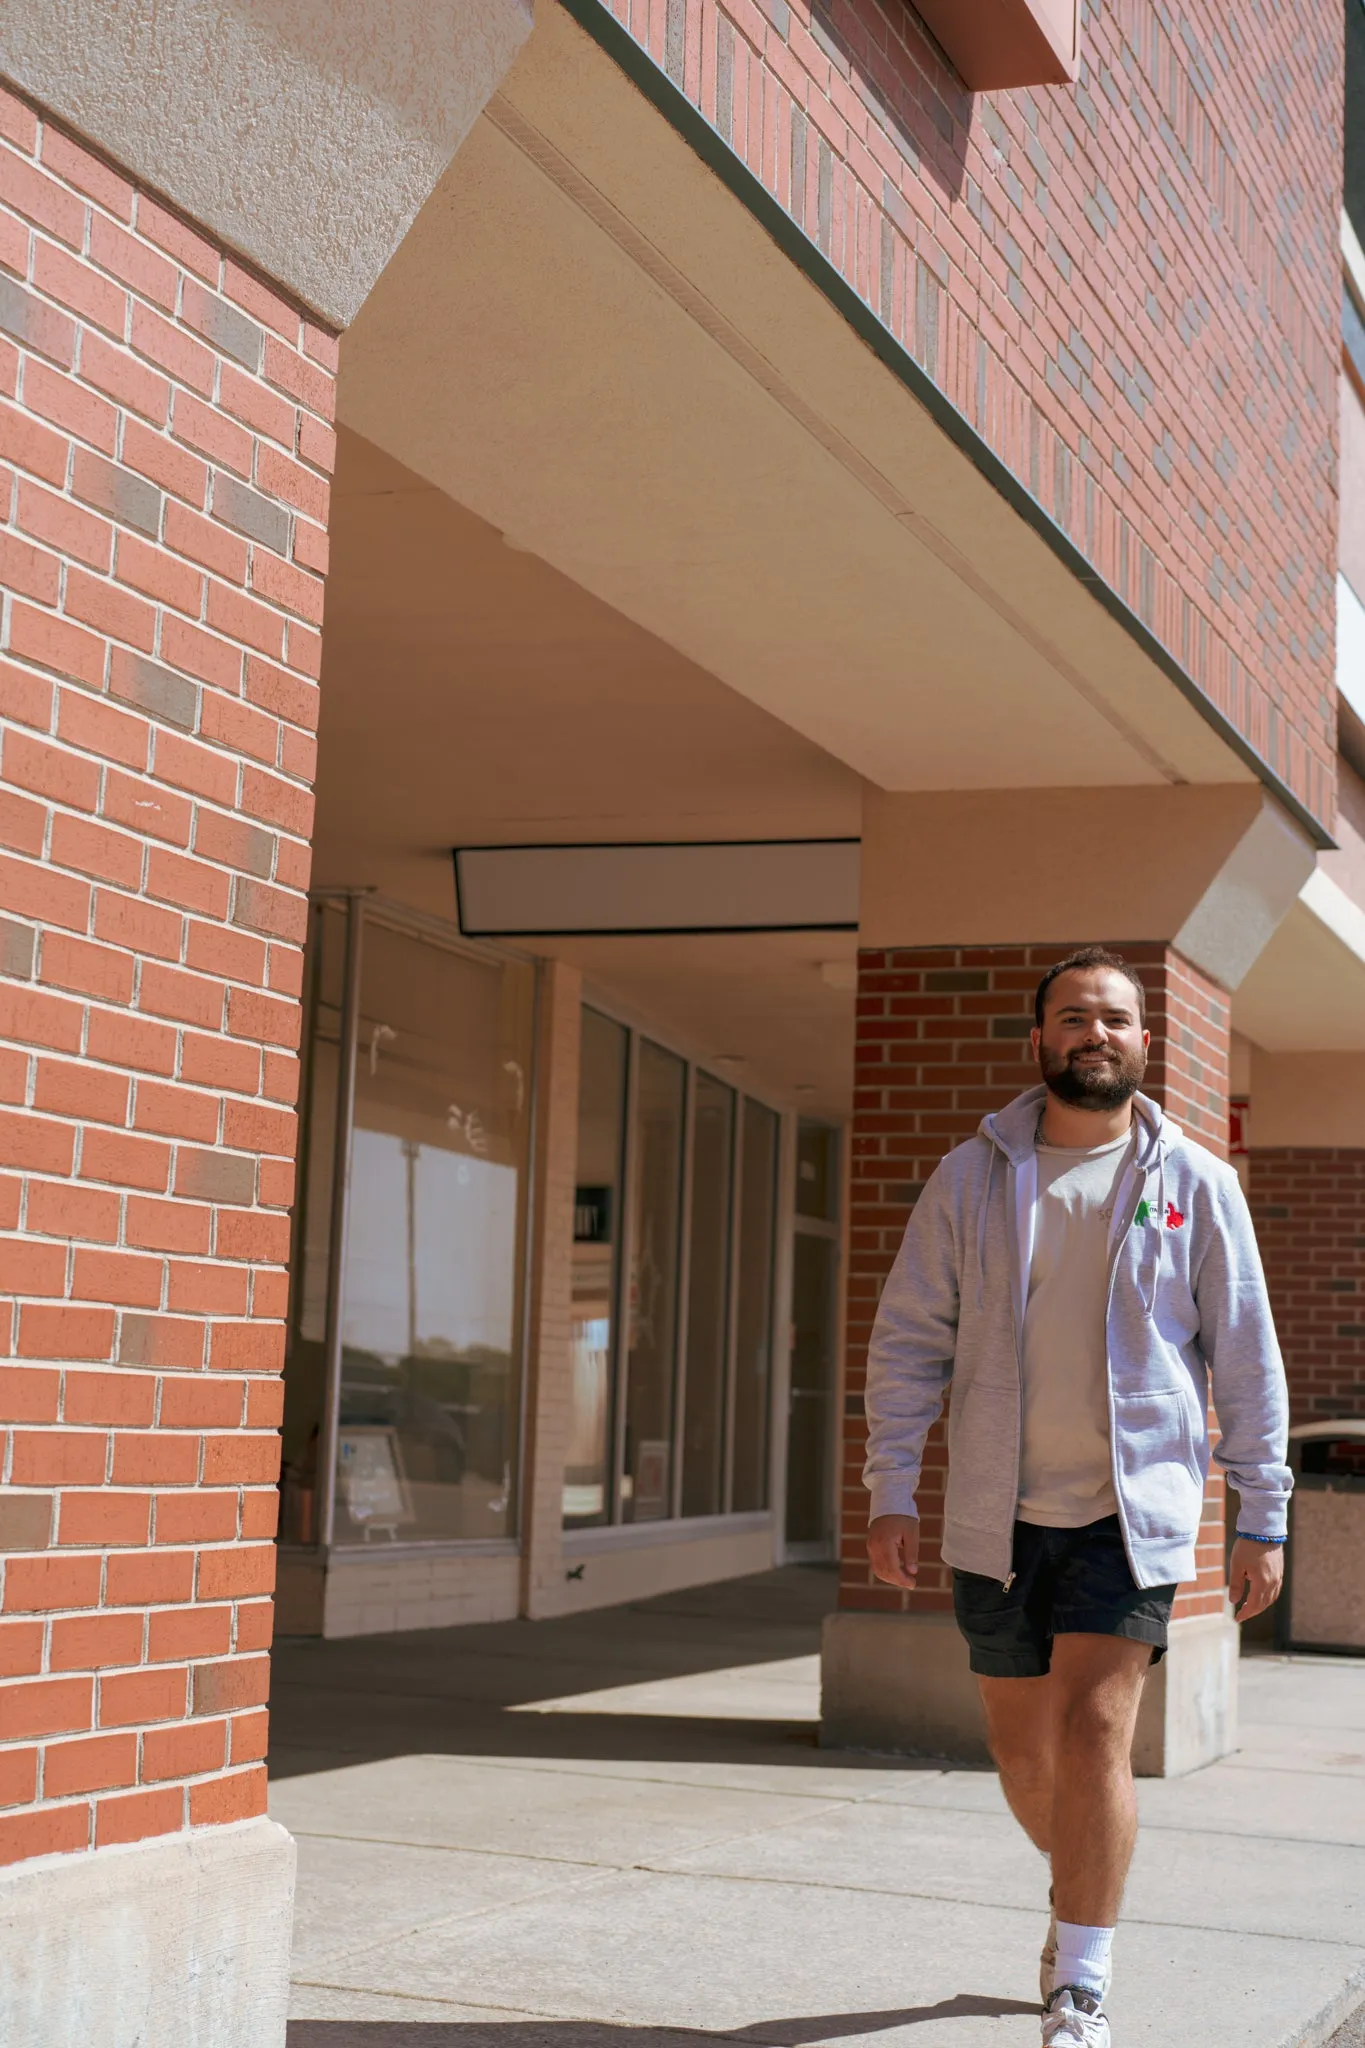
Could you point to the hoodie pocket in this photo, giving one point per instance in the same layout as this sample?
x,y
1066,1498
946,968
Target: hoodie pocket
x,y
983,1455
1161,1477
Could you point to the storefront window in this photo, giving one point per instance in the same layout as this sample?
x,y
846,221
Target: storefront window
x,y
420,1335
812,1421
596,1254
708,1299
432,1298
647,1463
817,1171
677,1178
754,1308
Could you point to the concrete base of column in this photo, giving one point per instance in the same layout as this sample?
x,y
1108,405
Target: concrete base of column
x,y
900,1683
177,1942
1188,1716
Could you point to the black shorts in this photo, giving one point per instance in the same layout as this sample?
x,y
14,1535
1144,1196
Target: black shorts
x,y
1066,1582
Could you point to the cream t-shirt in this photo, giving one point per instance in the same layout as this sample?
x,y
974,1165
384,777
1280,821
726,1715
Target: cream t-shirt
x,y
1065,1472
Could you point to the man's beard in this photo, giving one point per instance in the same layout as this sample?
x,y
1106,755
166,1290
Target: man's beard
x,y
1103,1087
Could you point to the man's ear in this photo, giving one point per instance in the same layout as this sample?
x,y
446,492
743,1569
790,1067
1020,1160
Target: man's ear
x,y
1035,1039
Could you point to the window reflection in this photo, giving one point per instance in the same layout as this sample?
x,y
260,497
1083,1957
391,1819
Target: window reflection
x,y
817,1171
810,1428
431,1313
597,1231
708,1299
646,1475
685,1434
754,1310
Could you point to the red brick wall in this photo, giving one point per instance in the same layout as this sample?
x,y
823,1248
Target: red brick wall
x,y
943,1037
164,450
1309,1208
1130,288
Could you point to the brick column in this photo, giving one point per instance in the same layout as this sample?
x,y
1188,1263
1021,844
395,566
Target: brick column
x,y
1309,1206
943,1037
164,431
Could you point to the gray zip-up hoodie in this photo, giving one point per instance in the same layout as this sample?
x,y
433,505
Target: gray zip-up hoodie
x,y
1187,1314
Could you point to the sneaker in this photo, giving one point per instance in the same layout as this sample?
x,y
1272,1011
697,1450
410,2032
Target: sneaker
x,y
1074,2020
1047,1961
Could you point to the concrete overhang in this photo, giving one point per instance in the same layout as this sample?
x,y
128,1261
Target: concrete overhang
x,y
1306,992
306,135
587,339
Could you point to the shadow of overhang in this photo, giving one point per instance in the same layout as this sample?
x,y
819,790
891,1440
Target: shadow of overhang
x,y
588,340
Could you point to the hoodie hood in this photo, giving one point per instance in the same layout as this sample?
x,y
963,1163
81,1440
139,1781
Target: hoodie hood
x,y
1013,1130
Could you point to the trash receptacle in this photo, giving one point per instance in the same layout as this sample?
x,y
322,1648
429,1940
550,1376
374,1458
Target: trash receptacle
x,y
1323,1607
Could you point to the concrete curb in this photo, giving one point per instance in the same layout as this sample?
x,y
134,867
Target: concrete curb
x,y
1324,2029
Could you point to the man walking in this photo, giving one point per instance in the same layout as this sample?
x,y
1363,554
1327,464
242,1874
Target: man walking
x,y
1083,1273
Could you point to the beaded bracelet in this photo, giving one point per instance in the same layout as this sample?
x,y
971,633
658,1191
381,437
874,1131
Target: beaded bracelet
x,y
1245,1536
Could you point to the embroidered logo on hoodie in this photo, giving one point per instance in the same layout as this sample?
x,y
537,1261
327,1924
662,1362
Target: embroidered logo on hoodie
x,y
1148,1212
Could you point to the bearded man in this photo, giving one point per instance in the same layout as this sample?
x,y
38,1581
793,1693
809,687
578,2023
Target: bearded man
x,y
1085,1275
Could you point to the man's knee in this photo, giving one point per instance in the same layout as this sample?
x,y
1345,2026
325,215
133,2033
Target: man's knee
x,y
1018,1730
1097,1722
1096,1714
1026,1770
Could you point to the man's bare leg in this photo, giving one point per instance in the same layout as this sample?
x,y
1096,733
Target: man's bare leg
x,y
1019,1732
1062,1745
1096,1690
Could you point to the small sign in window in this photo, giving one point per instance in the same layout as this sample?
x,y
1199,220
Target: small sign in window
x,y
592,1216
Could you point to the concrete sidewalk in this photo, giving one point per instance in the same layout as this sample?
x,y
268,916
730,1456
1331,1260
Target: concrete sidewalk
x,y
617,1832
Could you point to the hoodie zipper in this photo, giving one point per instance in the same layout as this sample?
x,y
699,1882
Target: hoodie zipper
x,y
1120,1239
1016,1314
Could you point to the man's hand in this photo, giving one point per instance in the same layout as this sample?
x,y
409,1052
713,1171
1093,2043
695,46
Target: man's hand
x,y
1255,1576
893,1547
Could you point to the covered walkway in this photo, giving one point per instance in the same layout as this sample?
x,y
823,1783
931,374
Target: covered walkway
x,y
615,1830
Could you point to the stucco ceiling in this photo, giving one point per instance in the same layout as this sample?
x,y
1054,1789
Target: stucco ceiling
x,y
473,695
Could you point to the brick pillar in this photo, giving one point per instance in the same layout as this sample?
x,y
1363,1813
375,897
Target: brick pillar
x,y
943,1037
1309,1207
164,430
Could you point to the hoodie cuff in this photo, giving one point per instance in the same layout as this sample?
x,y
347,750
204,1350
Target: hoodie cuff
x,y
1261,1515
893,1493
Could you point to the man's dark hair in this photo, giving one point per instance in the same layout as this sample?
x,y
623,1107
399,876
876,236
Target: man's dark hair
x,y
1086,958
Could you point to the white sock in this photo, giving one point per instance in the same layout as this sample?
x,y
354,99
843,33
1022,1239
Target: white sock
x,y
1083,1957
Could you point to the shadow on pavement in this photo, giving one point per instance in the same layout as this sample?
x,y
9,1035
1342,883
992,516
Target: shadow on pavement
x,y
792,2033
448,1692
601,1738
